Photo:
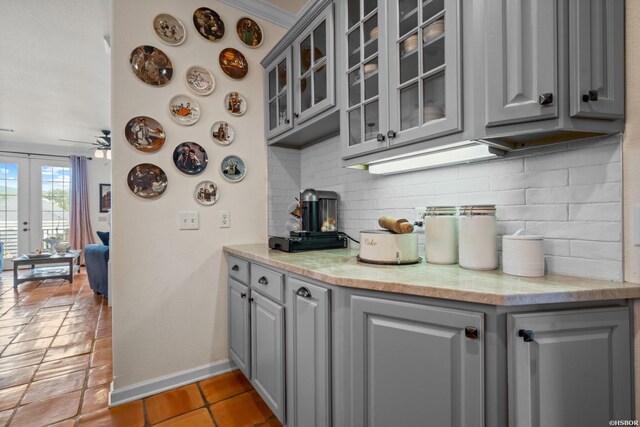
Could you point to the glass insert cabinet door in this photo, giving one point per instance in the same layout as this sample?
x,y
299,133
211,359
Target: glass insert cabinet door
x,y
365,116
425,74
314,73
278,96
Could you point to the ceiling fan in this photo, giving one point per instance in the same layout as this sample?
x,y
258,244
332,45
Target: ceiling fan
x,y
102,142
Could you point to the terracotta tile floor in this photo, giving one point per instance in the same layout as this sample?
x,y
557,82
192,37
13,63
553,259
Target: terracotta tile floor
x,y
55,368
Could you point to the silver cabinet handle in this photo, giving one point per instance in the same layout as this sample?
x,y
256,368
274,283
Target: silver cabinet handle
x,y
591,96
263,281
303,292
235,267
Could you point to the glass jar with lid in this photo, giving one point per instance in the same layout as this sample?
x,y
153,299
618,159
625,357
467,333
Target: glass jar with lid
x,y
441,235
478,237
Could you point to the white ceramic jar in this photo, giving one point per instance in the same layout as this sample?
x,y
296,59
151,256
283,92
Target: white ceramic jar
x,y
441,235
478,237
523,255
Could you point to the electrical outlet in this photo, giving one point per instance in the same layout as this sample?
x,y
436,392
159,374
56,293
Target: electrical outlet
x,y
224,219
188,221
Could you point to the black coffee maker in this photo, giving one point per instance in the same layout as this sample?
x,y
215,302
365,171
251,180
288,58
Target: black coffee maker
x,y
319,214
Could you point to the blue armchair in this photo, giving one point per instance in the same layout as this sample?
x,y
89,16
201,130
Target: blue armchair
x,y
96,258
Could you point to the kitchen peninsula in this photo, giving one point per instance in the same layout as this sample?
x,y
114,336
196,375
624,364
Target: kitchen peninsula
x,y
323,336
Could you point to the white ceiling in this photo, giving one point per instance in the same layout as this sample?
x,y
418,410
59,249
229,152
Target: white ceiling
x,y
54,70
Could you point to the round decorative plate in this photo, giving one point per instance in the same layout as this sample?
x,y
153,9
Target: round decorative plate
x,y
233,168
233,63
145,134
184,110
208,23
190,158
206,193
169,29
249,32
222,133
200,80
147,181
151,65
235,103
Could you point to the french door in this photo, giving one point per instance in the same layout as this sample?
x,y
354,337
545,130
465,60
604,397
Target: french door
x,y
34,203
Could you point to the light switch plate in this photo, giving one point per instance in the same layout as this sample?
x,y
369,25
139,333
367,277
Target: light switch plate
x,y
224,219
188,221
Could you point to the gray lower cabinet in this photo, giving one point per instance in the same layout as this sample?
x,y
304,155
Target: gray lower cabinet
x,y
412,365
309,354
268,352
239,341
569,367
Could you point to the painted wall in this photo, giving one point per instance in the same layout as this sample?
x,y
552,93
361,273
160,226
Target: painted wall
x,y
571,194
169,291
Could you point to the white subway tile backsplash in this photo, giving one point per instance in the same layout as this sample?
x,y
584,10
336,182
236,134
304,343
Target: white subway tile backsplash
x,y
569,193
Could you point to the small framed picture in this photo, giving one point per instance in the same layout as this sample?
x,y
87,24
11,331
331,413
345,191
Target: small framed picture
x,y
105,198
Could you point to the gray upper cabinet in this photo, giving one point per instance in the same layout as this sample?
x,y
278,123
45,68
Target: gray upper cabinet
x,y
413,364
314,78
267,352
522,70
239,328
569,368
278,96
424,69
309,354
300,87
596,34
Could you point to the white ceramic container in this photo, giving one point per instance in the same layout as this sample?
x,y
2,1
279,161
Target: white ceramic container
x,y
385,247
441,235
523,255
478,238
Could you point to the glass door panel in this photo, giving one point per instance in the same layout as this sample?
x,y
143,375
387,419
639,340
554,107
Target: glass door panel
x,y
11,207
55,189
279,96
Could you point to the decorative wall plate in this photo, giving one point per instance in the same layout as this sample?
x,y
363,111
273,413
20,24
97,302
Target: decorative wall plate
x,y
208,23
151,65
184,110
235,103
233,63
206,193
145,134
222,133
233,168
249,31
169,29
200,80
190,158
147,181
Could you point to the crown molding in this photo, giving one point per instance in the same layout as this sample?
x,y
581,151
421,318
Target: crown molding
x,y
266,11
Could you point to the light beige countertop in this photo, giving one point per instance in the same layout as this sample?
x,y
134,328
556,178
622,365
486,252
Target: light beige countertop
x,y
339,267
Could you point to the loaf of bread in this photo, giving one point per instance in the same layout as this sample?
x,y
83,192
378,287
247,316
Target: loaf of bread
x,y
398,226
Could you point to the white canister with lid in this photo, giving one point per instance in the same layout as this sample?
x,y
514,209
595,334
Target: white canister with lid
x,y
478,237
441,235
523,254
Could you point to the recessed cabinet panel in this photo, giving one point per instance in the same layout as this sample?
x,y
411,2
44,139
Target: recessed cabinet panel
x,y
267,352
239,328
596,38
311,354
522,64
413,363
572,370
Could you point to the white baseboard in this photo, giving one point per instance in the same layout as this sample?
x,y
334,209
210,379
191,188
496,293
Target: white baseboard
x,y
168,382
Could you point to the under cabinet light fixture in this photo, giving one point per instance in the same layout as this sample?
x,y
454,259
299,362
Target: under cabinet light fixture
x,y
471,151
7,130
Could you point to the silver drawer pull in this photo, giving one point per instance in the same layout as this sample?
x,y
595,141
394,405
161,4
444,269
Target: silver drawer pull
x,y
263,281
235,267
303,292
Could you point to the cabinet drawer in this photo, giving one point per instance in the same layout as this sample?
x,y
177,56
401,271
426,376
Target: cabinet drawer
x,y
238,269
268,282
